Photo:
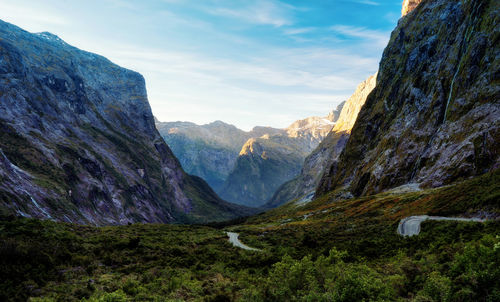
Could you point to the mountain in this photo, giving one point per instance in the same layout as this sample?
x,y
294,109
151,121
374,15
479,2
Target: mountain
x,y
408,6
434,116
266,162
337,247
303,185
211,151
208,151
78,141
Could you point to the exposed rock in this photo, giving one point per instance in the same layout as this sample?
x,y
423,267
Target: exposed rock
x,y
408,6
208,151
262,166
326,152
211,151
267,162
434,117
78,141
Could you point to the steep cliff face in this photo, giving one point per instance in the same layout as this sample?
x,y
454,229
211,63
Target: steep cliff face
x,y
211,151
262,166
328,151
434,117
78,141
267,162
208,151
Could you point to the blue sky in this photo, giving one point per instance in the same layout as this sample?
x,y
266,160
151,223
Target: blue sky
x,y
259,62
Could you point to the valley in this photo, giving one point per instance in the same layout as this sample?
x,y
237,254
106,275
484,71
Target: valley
x,y
345,248
246,167
392,196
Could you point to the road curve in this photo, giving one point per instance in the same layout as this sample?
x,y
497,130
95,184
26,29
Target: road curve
x,y
410,226
233,238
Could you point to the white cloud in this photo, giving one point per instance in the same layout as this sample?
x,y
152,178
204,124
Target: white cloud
x,y
30,16
292,82
379,38
367,2
298,31
265,12
267,85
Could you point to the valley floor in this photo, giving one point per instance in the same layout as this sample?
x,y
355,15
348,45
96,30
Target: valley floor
x,y
326,250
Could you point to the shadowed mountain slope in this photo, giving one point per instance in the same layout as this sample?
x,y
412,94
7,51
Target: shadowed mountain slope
x,y
78,141
434,116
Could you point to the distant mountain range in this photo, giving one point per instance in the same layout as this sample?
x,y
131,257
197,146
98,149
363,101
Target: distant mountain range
x,y
304,185
245,167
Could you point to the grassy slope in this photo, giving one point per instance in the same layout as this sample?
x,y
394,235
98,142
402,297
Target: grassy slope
x,y
447,261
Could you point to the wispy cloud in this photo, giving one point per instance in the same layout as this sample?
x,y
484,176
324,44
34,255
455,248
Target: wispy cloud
x,y
298,30
30,16
261,62
193,87
265,12
367,2
379,38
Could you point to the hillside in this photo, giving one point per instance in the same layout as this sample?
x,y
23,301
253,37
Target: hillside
x,y
303,185
78,141
266,162
208,151
434,116
329,249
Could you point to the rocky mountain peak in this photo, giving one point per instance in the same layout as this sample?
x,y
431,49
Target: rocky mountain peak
x,y
408,6
252,146
353,105
333,116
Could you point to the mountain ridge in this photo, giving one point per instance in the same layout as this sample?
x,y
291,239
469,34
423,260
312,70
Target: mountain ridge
x,y
266,162
303,185
79,143
211,150
434,117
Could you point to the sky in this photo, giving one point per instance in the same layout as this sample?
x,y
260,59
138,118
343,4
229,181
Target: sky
x,y
248,63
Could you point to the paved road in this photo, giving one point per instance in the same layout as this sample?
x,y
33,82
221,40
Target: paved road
x,y
410,226
233,238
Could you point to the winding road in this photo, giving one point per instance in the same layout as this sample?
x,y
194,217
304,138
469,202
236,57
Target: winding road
x,y
233,238
410,226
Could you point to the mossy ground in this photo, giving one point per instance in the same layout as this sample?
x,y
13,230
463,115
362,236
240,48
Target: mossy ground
x,y
344,250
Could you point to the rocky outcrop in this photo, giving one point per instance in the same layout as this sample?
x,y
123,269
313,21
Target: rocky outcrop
x,y
78,141
408,6
267,162
326,152
434,117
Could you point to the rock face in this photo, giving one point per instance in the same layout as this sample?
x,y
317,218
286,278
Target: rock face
x,y
208,151
266,162
434,117
219,153
78,141
409,5
303,185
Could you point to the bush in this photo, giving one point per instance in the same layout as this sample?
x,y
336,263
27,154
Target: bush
x,y
326,279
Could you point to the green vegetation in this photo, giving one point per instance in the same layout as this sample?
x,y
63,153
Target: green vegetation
x,y
343,251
